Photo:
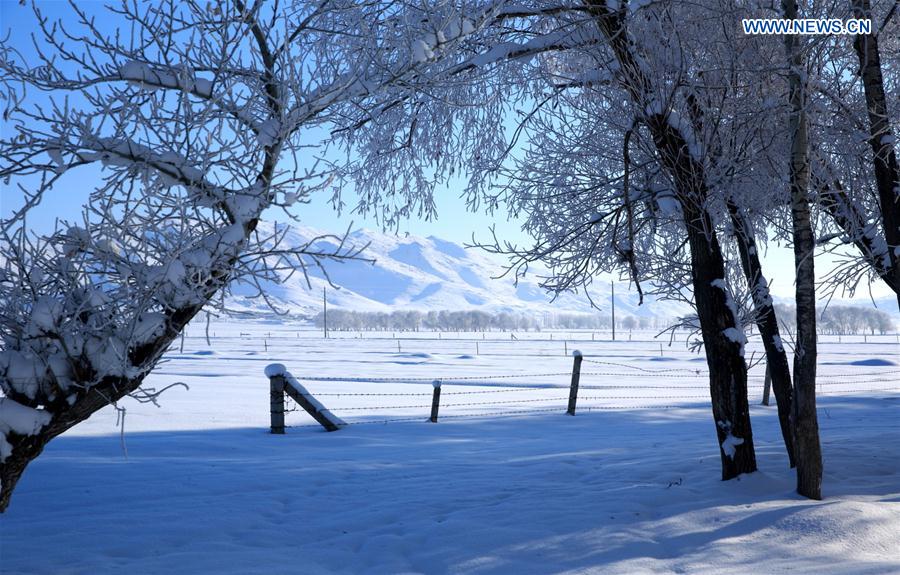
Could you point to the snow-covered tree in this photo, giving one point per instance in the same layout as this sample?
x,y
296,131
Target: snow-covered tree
x,y
187,119
854,160
657,140
605,162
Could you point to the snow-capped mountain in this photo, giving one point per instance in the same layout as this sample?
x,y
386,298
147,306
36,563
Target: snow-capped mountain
x,y
430,273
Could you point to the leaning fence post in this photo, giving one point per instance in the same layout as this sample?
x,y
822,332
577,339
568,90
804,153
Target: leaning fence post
x,y
435,400
276,402
767,386
576,376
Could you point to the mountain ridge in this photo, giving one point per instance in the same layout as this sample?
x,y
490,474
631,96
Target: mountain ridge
x,y
426,274
434,274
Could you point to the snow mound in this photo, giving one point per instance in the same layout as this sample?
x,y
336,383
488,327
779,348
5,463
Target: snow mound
x,y
872,362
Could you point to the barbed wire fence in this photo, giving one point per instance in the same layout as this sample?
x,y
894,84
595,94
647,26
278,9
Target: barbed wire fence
x,y
506,394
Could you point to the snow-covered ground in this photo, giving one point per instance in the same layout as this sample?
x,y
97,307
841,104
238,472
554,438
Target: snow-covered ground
x,y
504,483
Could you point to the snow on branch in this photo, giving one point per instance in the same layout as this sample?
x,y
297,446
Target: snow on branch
x,y
146,76
19,419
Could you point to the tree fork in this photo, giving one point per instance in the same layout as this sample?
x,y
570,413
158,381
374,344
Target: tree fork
x,y
766,319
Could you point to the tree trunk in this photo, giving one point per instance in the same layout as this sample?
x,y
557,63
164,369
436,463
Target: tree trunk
x,y
767,322
724,355
887,173
777,369
805,424
26,448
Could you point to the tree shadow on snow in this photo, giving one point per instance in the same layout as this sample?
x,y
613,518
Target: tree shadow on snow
x,y
614,491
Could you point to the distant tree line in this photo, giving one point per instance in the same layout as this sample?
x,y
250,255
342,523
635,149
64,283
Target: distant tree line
x,y
474,320
843,320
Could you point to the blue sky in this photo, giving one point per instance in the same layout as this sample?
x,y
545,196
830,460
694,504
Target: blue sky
x,y
454,222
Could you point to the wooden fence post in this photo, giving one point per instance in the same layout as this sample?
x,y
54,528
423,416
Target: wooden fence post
x,y
435,400
281,383
576,376
767,386
276,402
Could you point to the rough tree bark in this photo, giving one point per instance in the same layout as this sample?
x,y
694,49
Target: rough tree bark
x,y
724,355
805,421
887,173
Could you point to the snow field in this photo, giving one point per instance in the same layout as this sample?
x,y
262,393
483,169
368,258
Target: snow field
x,y
204,488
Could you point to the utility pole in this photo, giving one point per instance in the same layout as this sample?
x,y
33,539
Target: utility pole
x,y
613,300
324,312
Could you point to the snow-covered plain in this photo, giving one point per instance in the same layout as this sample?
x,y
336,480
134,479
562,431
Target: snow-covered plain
x,y
510,485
